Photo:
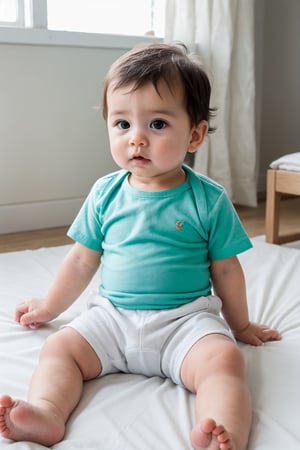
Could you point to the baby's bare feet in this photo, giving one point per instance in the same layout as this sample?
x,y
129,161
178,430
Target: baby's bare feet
x,y
21,421
209,436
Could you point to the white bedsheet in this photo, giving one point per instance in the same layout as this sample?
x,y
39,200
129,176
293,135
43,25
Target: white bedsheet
x,y
129,412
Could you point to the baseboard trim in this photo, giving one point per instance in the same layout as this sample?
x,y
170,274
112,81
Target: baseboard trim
x,y
35,216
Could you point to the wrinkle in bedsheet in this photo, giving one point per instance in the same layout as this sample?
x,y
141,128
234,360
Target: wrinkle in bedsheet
x,y
131,412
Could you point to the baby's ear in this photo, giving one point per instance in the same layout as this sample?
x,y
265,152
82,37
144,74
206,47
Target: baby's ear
x,y
198,134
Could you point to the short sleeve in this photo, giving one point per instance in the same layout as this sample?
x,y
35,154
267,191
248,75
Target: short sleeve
x,y
227,236
86,228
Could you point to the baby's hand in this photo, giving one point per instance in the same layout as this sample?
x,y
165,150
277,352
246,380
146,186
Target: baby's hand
x,y
257,334
32,313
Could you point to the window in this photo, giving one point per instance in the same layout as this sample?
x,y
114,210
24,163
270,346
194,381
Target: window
x,y
12,13
130,17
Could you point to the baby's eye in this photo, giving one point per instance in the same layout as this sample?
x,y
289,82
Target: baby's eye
x,y
158,124
123,124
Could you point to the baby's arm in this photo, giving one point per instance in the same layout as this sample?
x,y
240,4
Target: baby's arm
x,y
229,284
75,273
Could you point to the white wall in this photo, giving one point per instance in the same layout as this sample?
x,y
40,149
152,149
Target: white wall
x,y
53,141
278,51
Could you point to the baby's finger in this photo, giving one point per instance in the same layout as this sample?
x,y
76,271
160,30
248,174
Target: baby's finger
x,y
250,338
34,326
29,319
271,335
21,309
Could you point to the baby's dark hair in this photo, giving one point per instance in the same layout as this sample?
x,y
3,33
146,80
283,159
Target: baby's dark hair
x,y
156,62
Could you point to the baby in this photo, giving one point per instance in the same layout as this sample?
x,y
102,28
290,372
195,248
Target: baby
x,y
167,239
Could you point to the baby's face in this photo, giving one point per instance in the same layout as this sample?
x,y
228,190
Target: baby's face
x,y
150,133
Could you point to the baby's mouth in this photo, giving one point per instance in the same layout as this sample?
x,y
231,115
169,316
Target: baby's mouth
x,y
140,161
139,158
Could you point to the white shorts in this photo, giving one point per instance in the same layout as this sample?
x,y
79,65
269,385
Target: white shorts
x,y
148,342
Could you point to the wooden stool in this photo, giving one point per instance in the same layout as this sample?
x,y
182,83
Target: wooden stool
x,y
279,182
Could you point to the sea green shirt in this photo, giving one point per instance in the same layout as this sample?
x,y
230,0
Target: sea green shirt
x,y
157,246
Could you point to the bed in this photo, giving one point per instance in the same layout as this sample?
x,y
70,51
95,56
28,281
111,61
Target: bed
x,y
130,412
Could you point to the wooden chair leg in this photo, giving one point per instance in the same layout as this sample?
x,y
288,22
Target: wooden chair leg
x,y
272,209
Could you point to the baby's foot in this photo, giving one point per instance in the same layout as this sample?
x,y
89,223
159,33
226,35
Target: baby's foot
x,y
209,436
21,421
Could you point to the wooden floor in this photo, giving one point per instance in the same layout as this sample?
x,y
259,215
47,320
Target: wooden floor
x,y
252,218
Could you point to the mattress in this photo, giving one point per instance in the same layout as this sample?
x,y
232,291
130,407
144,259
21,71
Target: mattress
x,y
131,412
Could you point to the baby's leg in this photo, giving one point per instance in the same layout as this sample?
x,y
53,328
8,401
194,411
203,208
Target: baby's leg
x,y
214,370
66,361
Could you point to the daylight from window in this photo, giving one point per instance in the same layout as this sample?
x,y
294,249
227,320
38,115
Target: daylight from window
x,y
8,11
130,17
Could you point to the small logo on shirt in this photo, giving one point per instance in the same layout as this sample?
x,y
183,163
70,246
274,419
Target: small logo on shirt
x,y
179,225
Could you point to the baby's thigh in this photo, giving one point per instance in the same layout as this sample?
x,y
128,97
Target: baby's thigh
x,y
69,347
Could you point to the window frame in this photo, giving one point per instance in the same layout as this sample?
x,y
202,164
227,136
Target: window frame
x,y
20,20
36,32
70,38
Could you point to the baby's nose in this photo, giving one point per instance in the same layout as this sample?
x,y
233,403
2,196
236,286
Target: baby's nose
x,y
138,139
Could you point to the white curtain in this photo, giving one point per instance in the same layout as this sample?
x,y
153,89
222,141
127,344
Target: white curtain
x,y
221,32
